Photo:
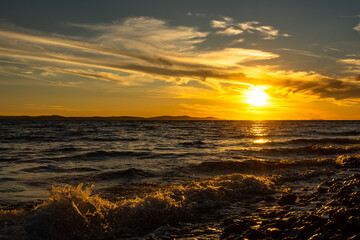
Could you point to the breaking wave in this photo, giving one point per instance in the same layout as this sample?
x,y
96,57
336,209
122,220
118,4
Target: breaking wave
x,y
78,213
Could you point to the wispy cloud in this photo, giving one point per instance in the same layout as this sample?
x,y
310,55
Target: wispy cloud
x,y
301,52
357,27
46,107
235,28
230,31
105,76
209,109
353,64
218,24
149,48
136,45
147,33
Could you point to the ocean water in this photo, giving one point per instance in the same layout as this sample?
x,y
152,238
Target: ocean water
x,y
127,179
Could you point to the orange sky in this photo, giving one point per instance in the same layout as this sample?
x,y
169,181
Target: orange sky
x,y
188,60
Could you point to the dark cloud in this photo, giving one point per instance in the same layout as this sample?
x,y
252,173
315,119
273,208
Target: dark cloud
x,y
323,88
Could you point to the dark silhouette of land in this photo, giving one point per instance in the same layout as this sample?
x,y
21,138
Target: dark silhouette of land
x,y
57,117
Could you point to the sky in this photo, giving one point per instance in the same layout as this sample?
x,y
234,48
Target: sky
x,y
230,59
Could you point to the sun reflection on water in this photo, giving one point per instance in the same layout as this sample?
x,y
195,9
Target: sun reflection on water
x,y
258,129
261,141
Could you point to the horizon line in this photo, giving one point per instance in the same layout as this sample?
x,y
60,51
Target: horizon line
x,y
162,117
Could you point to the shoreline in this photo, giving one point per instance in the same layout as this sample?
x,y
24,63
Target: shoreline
x,y
307,203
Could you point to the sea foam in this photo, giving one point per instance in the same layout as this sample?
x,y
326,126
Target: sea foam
x,y
77,212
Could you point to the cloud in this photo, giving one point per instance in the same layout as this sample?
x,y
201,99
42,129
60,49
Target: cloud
x,y
127,51
351,61
353,64
234,56
137,45
45,107
230,31
147,33
209,108
357,27
105,76
248,25
195,84
218,24
320,88
268,32
301,52
232,28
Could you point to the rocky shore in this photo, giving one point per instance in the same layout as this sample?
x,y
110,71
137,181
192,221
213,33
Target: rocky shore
x,y
331,211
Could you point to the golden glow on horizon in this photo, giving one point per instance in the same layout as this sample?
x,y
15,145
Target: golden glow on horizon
x,y
256,96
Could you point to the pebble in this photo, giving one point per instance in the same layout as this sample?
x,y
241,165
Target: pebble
x,y
287,199
338,219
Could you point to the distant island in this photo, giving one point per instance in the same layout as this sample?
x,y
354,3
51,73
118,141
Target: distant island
x,y
57,117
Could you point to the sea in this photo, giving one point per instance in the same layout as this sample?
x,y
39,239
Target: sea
x,y
94,179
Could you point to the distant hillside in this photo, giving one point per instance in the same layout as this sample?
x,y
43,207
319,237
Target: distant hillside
x,y
57,117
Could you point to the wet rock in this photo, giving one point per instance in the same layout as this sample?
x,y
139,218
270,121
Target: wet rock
x,y
287,199
355,237
318,236
333,203
237,227
336,237
322,190
314,219
289,222
352,226
227,222
273,232
269,199
340,217
318,205
152,237
253,234
331,226
334,217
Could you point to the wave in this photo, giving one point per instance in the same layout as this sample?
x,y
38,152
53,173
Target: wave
x,y
63,149
313,141
196,144
336,133
47,138
78,213
325,141
104,139
315,150
56,169
47,168
145,154
258,165
105,154
128,174
7,179
261,166
324,150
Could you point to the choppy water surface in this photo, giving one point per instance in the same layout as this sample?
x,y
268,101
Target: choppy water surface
x,y
172,169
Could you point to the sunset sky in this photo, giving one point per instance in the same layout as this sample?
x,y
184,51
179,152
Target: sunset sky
x,y
239,59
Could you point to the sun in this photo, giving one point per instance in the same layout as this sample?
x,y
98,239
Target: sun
x,y
256,96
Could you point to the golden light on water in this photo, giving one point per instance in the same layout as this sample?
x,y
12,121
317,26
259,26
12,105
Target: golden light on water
x,y
256,96
261,141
